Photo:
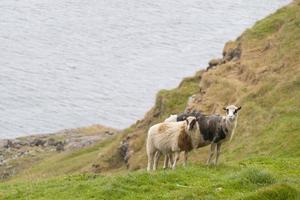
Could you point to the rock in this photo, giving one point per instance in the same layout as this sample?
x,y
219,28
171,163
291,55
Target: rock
x,y
52,142
20,143
190,102
22,153
4,175
3,144
14,143
79,142
215,62
9,144
233,54
60,146
37,142
109,132
232,51
17,145
124,150
7,171
193,102
1,159
96,168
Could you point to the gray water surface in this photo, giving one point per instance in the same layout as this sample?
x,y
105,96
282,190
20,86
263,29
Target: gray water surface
x,y
72,63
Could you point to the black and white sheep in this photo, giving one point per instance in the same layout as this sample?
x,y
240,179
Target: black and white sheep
x,y
216,129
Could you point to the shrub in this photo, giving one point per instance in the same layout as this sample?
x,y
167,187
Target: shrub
x,y
275,192
256,177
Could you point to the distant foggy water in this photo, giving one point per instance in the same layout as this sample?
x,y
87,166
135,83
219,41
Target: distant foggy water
x,y
72,63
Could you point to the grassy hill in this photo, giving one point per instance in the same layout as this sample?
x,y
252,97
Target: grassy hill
x,y
261,162
244,181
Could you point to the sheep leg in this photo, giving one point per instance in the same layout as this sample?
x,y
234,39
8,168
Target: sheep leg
x,y
212,152
171,161
166,161
185,158
218,153
150,154
156,159
176,159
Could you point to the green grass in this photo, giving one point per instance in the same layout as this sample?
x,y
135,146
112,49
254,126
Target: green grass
x,y
270,122
250,179
275,192
174,101
273,23
68,162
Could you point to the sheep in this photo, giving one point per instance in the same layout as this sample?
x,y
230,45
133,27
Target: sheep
x,y
171,137
171,118
176,118
216,129
182,116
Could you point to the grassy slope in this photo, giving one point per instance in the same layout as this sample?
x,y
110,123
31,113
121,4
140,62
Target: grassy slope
x,y
68,162
265,81
262,160
47,163
246,180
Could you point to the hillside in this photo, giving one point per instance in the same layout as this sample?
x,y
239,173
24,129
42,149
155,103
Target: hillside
x,y
260,71
17,155
264,79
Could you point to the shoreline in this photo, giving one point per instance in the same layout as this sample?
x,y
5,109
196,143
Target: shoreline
x,y
60,131
35,146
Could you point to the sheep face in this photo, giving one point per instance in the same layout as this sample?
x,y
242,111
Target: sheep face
x,y
191,123
231,111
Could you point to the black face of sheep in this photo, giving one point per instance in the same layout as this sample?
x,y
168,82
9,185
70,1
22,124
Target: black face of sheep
x,y
191,122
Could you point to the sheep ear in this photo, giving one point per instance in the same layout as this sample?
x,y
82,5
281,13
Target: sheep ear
x,y
239,108
224,108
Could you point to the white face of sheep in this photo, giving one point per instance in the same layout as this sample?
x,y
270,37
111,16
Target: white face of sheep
x,y
231,111
191,123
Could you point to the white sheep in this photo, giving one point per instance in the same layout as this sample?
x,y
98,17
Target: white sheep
x,y
171,118
171,137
